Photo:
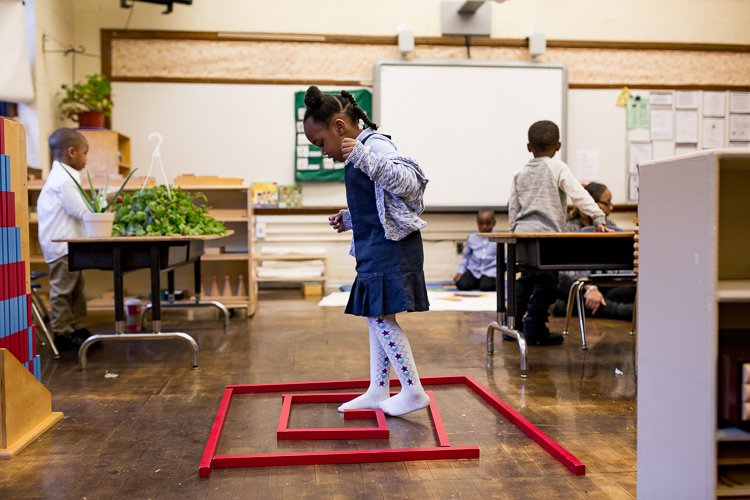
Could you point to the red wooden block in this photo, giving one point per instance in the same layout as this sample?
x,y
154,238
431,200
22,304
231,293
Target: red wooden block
x,y
547,443
204,469
344,457
283,433
361,456
4,207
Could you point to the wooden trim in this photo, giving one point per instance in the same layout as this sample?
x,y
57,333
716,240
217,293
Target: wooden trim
x,y
651,86
260,81
109,34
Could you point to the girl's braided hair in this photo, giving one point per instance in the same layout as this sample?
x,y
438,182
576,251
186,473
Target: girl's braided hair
x,y
321,108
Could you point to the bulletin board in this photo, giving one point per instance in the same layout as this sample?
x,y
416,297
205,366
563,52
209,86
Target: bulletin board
x,y
309,163
467,122
663,123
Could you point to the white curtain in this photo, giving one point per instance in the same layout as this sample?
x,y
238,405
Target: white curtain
x,y
15,67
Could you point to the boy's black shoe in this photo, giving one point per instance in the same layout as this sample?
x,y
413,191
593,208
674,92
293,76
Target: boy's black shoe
x,y
508,337
552,338
81,333
68,342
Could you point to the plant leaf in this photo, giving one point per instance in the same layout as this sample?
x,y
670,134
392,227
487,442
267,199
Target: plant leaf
x,y
122,186
85,196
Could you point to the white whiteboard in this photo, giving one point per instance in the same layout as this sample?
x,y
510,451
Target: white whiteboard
x,y
467,122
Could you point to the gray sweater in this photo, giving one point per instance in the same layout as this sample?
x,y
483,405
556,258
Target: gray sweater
x,y
538,198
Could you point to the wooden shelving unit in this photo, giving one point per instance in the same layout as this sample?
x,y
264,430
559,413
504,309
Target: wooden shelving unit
x,y
306,282
693,294
232,205
109,151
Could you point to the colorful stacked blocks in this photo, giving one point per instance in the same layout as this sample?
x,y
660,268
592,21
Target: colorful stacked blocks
x,y
17,333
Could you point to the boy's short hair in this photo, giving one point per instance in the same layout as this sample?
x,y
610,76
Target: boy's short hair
x,y
543,135
64,138
485,211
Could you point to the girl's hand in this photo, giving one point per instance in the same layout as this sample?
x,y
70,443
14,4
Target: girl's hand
x,y
457,277
347,146
337,222
601,228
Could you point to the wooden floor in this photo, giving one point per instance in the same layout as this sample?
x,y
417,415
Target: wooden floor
x,y
141,434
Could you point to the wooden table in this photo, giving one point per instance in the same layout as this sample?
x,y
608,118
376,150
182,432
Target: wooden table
x,y
121,254
549,252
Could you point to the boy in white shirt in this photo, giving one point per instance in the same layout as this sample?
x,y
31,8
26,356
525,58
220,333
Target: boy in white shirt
x,y
61,209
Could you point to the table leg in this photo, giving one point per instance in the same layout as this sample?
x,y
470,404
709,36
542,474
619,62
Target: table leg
x,y
119,293
155,289
509,312
170,286
197,279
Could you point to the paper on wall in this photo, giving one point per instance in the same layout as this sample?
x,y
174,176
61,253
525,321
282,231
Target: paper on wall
x,y
713,133
637,113
662,125
686,99
739,102
660,98
639,152
714,103
739,127
633,182
686,126
587,164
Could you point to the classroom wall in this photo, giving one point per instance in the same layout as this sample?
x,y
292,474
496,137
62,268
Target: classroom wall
x,y
41,116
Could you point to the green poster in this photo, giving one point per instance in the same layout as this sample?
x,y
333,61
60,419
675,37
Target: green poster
x,y
638,113
309,164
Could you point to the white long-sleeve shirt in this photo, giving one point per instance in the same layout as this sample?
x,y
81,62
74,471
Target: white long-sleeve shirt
x,y
60,209
538,198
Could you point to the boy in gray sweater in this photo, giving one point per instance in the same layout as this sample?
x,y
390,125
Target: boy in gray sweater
x,y
538,203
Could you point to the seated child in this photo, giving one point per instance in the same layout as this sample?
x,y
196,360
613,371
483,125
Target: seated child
x,y
61,211
477,269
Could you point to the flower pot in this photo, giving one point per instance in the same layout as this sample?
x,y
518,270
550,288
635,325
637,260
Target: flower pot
x,y
98,224
91,119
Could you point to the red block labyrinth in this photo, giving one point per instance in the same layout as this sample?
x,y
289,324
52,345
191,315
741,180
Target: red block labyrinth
x,y
443,452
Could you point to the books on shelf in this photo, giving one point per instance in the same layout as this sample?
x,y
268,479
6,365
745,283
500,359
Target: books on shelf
x,y
265,194
290,196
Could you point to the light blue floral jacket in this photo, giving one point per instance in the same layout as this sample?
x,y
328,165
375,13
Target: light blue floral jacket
x,y
399,189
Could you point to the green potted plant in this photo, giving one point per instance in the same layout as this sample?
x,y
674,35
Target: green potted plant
x,y
99,221
88,102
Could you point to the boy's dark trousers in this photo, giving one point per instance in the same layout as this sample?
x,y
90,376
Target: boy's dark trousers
x,y
535,292
469,282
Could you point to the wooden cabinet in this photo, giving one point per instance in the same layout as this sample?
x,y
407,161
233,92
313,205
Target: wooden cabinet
x,y
229,257
693,297
109,152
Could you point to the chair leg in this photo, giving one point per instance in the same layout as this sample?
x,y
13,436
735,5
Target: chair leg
x,y
581,316
40,304
635,315
42,326
569,306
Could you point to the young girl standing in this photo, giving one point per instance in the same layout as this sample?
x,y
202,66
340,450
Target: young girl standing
x,y
384,197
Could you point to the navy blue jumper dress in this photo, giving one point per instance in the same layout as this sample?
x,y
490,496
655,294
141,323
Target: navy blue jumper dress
x,y
390,274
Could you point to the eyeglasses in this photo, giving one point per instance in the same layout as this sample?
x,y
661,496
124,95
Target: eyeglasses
x,y
607,203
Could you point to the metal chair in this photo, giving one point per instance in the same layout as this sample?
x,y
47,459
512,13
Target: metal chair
x,y
576,293
576,297
41,314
